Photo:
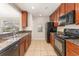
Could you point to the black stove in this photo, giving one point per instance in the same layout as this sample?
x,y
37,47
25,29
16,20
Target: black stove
x,y
69,34
67,37
60,40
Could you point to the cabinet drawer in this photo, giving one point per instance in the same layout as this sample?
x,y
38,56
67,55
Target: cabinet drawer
x,y
71,53
69,45
76,49
72,47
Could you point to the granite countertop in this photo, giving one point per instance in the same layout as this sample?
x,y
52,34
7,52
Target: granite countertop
x,y
74,41
10,40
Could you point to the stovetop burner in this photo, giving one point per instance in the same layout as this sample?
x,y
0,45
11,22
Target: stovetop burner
x,y
69,34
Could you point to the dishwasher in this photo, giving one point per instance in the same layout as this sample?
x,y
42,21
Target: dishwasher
x,y
11,51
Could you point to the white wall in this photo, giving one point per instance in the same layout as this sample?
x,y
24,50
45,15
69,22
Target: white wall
x,y
7,12
38,21
30,22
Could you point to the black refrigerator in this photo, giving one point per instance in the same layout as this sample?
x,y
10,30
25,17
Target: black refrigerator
x,y
50,28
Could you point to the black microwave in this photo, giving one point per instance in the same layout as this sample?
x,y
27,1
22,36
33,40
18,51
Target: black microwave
x,y
62,20
70,18
67,19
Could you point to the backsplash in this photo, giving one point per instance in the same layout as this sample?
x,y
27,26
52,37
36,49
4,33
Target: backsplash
x,y
8,25
72,26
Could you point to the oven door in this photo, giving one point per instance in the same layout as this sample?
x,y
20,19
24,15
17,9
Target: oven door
x,y
60,46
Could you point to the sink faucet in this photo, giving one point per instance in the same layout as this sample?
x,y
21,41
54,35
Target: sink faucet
x,y
14,32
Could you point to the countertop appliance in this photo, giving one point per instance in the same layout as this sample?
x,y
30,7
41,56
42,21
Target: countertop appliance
x,y
50,28
11,51
60,40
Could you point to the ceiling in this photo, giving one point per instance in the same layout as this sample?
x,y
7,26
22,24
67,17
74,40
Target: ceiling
x,y
38,9
8,11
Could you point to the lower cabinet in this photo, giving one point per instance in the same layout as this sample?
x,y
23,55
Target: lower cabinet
x,y
24,44
52,39
71,53
71,49
22,50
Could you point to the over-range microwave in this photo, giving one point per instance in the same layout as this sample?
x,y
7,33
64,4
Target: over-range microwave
x,y
70,17
62,21
67,19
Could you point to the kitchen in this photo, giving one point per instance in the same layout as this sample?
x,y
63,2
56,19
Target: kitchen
x,y
24,30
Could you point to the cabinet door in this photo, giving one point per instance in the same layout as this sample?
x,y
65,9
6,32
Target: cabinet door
x,y
72,49
62,9
26,42
30,38
57,14
71,53
22,49
52,39
69,7
52,17
24,19
77,13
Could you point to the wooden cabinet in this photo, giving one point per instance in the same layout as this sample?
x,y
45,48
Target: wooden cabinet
x,y
62,9
71,53
24,44
52,39
69,7
22,50
77,13
24,19
57,14
52,17
71,49
29,37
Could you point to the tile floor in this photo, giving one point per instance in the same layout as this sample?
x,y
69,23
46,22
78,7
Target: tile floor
x,y
40,48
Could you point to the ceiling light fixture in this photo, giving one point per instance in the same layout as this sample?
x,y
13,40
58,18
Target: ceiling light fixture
x,y
33,7
40,15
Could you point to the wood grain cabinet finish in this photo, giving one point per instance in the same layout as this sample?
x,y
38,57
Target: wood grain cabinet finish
x,y
24,19
77,13
57,15
22,50
52,17
52,39
69,7
71,49
24,44
62,9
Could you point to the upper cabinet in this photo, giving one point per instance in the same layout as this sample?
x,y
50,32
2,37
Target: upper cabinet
x,y
57,11
52,17
24,19
55,16
62,9
77,13
69,7
65,8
